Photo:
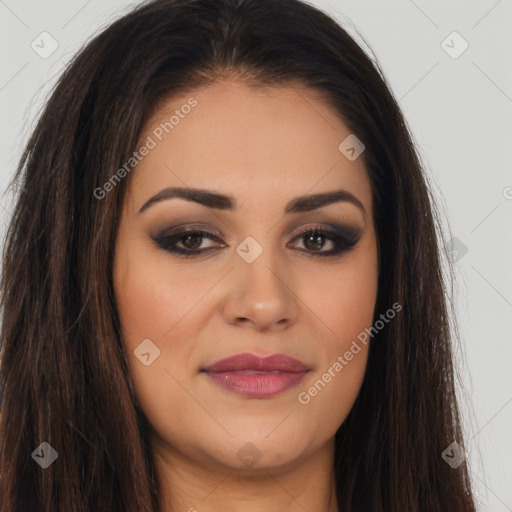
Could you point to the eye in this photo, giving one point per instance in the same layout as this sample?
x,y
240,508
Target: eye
x,y
189,243
190,240
341,240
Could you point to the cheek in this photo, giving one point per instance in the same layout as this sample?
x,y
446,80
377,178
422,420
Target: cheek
x,y
330,392
152,304
346,302
343,301
343,296
150,299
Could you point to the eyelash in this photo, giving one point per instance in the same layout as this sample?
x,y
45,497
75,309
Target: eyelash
x,y
344,241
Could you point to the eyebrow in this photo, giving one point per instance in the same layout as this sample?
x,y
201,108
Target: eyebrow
x,y
219,201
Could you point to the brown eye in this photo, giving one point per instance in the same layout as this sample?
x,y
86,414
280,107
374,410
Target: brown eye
x,y
341,240
190,240
315,240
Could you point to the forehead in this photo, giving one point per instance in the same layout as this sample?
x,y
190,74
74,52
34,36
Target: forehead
x,y
265,144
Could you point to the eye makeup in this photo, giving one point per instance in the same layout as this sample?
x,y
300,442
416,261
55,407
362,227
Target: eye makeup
x,y
189,241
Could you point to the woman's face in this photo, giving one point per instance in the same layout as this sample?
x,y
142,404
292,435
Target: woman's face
x,y
253,284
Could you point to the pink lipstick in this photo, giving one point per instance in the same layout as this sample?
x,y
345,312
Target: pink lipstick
x,y
252,376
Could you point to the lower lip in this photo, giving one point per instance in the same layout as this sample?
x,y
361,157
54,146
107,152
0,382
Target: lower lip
x,y
257,385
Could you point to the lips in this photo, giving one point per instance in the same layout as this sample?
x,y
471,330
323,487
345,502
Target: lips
x,y
256,377
276,362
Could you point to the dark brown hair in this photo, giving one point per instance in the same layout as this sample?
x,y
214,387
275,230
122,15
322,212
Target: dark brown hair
x,y
64,376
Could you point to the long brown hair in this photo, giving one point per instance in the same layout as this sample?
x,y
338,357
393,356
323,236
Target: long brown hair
x,y
64,376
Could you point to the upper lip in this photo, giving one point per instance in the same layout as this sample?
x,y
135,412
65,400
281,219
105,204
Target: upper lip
x,y
248,361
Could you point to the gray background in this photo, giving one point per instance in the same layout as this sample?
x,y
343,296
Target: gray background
x,y
460,112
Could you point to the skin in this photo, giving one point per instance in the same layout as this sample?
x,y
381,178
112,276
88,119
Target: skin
x,y
263,147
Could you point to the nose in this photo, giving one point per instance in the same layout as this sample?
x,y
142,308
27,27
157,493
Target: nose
x,y
261,294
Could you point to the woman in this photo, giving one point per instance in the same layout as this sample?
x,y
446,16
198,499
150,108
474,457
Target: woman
x,y
222,285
